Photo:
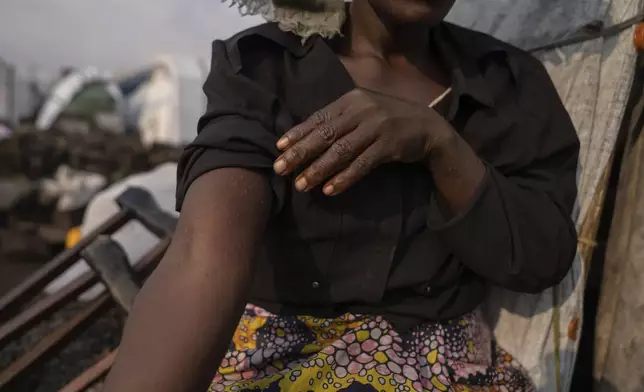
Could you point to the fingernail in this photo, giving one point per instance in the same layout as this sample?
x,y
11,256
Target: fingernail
x,y
279,166
328,190
300,184
282,143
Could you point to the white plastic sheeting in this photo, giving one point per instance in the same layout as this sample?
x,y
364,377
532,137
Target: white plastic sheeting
x,y
593,78
135,239
168,105
68,87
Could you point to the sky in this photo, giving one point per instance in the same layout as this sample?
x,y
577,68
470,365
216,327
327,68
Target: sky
x,y
118,35
110,34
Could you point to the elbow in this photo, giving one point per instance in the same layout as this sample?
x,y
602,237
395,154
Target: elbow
x,y
543,269
538,286
530,282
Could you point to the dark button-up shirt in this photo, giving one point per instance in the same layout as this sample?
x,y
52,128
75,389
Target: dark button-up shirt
x,y
383,247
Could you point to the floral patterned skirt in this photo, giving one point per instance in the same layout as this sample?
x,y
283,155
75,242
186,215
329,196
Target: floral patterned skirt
x,y
364,353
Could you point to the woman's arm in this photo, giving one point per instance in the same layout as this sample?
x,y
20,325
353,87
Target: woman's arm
x,y
187,311
506,203
505,187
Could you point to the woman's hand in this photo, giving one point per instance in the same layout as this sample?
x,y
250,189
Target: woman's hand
x,y
350,137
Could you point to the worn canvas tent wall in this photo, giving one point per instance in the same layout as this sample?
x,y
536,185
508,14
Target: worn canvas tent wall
x,y
619,336
165,105
593,78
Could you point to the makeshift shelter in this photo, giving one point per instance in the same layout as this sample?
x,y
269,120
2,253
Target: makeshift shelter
x,y
593,77
85,93
165,99
619,338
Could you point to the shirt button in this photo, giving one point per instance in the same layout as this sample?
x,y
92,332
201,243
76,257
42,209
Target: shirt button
x,y
428,290
315,285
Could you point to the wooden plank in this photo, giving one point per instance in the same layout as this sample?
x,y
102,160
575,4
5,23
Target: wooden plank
x,y
46,306
147,211
54,341
11,303
110,262
92,375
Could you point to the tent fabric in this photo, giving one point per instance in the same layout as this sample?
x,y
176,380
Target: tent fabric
x,y
619,314
69,87
593,79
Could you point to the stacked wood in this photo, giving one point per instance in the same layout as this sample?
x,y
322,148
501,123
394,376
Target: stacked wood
x,y
31,227
37,155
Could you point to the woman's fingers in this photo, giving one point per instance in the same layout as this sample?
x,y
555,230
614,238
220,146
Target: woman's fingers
x,y
336,158
313,142
358,168
298,132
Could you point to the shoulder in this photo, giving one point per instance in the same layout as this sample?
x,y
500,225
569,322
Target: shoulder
x,y
488,48
262,55
267,32
505,70
259,44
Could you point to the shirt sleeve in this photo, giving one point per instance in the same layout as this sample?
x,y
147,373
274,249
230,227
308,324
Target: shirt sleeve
x,y
518,230
237,129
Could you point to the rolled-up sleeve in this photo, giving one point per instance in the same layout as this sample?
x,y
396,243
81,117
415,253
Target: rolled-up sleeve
x,y
237,129
518,230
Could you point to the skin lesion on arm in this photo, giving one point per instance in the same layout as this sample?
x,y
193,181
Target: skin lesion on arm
x,y
186,313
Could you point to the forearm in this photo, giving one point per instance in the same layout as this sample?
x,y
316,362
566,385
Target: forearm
x,y
183,318
457,173
514,232
179,329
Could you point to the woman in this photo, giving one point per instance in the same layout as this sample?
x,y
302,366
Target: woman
x,y
360,183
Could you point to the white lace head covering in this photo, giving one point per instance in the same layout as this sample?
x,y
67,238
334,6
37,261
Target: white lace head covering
x,y
326,23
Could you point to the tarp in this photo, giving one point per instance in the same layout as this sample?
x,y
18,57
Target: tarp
x,y
65,90
593,79
619,337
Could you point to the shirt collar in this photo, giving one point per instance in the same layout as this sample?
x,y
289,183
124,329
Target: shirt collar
x,y
463,53
462,50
